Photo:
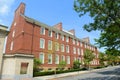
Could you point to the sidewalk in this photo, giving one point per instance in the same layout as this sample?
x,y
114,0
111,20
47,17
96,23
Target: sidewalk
x,y
62,75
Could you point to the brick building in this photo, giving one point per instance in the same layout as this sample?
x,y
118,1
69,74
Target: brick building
x,y
50,44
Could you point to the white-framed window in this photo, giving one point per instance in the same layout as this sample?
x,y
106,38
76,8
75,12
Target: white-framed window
x,y
56,59
82,52
73,41
63,58
42,30
68,59
77,43
81,44
11,45
50,33
56,46
62,37
13,33
49,45
56,35
67,39
78,50
67,49
62,48
74,50
42,43
49,58
41,57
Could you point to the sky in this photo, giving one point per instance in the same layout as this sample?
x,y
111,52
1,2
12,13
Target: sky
x,y
49,12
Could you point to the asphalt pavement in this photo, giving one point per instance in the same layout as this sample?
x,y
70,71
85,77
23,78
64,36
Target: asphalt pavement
x,y
109,73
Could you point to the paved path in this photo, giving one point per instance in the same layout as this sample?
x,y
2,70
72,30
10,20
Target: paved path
x,y
109,73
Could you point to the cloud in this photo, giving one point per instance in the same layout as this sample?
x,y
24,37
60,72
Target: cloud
x,y
5,6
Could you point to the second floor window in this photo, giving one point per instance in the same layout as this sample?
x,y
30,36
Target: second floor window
x,y
56,35
67,48
49,45
62,47
42,43
67,39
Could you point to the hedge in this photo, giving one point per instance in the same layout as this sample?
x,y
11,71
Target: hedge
x,y
35,74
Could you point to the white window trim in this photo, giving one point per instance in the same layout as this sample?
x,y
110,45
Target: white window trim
x,y
13,33
43,57
51,59
57,62
49,47
50,33
44,43
62,49
41,31
68,49
68,59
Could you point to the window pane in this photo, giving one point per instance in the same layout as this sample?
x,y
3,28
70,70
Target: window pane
x,y
56,59
41,57
49,58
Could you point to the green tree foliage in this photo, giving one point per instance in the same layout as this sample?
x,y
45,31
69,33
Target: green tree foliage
x,y
37,64
88,57
106,16
76,64
61,65
102,58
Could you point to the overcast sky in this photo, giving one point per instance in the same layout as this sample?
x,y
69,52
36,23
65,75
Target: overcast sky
x,y
49,12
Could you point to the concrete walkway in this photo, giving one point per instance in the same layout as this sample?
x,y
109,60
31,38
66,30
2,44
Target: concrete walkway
x,y
52,77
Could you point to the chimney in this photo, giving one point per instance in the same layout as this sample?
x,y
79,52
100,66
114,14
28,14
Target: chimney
x,y
58,26
72,31
20,9
86,39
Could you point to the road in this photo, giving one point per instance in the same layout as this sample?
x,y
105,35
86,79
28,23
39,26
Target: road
x,y
109,73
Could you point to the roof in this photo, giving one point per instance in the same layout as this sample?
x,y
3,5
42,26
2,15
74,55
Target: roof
x,y
3,26
33,21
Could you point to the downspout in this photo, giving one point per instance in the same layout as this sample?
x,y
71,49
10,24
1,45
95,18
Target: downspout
x,y
32,38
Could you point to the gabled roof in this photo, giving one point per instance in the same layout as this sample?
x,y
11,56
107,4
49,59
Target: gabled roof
x,y
33,21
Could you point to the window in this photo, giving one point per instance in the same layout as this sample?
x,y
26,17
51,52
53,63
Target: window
x,y
77,43
67,48
13,33
41,57
11,46
56,46
56,59
42,30
81,44
82,52
63,58
50,33
15,24
73,41
56,35
62,47
68,59
62,37
49,45
74,50
67,39
42,43
49,58
78,50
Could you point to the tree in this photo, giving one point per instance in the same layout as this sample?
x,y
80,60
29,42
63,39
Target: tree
x,y
61,65
36,65
102,58
76,64
106,16
88,57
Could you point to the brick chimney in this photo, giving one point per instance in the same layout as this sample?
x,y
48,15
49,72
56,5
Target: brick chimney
x,y
72,31
58,26
19,10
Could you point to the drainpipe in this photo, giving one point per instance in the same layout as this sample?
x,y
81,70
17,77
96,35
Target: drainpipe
x,y
32,38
